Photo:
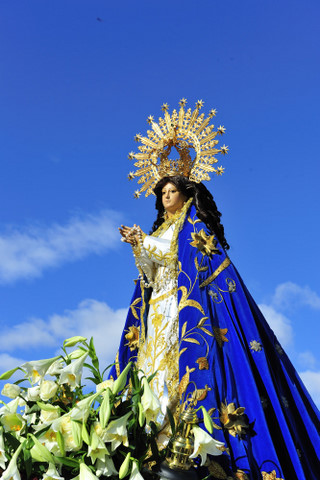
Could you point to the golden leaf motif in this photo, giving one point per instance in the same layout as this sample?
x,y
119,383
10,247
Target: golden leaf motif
x,y
183,330
202,321
196,263
133,310
207,331
182,350
184,295
193,222
203,269
191,340
219,334
191,303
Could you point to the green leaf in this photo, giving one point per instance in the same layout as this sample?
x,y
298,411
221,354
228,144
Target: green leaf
x,y
69,462
27,462
151,377
154,449
85,434
60,441
171,420
207,420
13,442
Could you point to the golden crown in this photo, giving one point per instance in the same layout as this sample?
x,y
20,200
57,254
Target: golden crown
x,y
183,130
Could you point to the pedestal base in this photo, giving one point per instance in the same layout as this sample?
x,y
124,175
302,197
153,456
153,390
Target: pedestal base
x,y
167,473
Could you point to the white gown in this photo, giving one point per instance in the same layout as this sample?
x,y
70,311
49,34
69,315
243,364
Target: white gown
x,y
160,351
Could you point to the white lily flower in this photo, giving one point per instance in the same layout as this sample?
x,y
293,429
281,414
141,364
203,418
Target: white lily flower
x,y
55,368
104,385
81,410
116,432
105,467
37,368
10,407
48,389
13,422
86,473
33,394
12,472
135,474
204,444
52,474
3,457
49,440
97,448
71,432
11,390
150,402
71,374
39,452
47,416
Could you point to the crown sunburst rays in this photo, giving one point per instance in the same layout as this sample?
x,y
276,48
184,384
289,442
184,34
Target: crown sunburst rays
x,y
186,131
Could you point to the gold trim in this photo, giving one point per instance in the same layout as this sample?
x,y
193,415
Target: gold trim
x,y
217,272
117,364
152,301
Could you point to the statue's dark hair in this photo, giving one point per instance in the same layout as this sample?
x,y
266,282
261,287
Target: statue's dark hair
x,y
205,205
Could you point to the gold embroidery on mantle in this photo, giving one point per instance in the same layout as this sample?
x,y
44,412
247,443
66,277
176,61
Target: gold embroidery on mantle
x,y
133,308
270,476
226,262
117,364
133,337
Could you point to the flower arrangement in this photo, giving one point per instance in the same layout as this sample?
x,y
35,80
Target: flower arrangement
x,y
52,430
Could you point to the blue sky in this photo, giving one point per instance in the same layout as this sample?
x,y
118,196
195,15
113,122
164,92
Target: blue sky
x,y
77,81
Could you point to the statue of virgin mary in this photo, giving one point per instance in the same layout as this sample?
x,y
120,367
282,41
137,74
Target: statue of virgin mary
x,y
192,321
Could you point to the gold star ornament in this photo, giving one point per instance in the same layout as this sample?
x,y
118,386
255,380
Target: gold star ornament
x,y
206,244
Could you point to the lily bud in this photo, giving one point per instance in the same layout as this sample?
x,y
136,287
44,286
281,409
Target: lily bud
x,y
105,409
121,381
72,341
141,415
207,420
125,466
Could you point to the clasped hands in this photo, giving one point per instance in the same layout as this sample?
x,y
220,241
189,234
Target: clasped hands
x,y
131,235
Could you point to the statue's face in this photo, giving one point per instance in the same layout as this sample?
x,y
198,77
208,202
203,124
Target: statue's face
x,y
172,199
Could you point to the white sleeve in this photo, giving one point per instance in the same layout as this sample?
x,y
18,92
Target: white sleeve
x,y
151,254
157,249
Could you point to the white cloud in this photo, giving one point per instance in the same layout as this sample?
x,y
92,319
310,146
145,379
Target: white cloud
x,y
312,382
307,360
279,323
25,253
289,295
90,319
9,362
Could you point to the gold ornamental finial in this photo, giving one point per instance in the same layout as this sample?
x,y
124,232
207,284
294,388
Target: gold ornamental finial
x,y
184,130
